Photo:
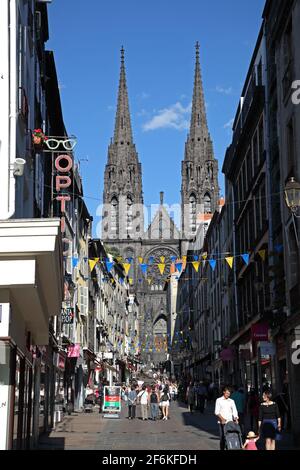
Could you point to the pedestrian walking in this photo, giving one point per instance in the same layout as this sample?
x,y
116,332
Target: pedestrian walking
x,y
165,403
202,396
226,411
269,423
250,443
154,400
190,396
131,401
143,397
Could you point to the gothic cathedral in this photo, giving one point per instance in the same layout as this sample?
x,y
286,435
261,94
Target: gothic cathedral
x,y
161,242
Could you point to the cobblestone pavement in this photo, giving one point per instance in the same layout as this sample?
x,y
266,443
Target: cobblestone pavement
x,y
90,431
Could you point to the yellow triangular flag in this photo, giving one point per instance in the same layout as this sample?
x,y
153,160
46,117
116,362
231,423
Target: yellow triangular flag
x,y
184,259
196,265
262,254
126,266
130,281
149,281
161,268
162,259
204,256
92,264
229,260
140,260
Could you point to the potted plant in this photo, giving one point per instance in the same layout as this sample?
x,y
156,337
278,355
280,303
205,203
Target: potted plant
x,y
38,137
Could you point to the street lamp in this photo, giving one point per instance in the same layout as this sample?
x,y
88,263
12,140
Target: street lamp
x,y
292,196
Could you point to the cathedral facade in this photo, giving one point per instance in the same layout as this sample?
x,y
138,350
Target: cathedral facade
x,y
162,242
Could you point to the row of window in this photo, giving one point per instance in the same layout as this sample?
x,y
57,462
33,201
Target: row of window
x,y
252,161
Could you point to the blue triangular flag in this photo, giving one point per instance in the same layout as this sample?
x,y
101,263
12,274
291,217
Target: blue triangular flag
x,y
129,260
151,259
178,266
278,248
74,262
144,268
173,258
109,265
121,280
196,257
140,280
245,257
212,263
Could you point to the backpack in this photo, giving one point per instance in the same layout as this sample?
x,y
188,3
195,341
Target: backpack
x,y
165,396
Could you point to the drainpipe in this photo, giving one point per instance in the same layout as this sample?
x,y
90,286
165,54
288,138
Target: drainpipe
x,y
12,107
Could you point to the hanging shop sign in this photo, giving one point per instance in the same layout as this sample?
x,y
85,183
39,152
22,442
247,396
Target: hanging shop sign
x,y
74,351
63,166
67,316
260,332
112,399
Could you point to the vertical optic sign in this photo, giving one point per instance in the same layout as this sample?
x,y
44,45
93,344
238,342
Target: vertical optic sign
x,y
63,165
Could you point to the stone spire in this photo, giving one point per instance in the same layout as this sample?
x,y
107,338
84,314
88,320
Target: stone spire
x,y
199,170
198,119
123,132
123,190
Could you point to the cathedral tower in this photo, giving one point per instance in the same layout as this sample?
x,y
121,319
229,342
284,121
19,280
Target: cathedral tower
x,y
123,193
199,189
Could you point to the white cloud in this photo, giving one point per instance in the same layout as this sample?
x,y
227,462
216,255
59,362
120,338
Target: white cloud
x,y
229,124
173,117
224,91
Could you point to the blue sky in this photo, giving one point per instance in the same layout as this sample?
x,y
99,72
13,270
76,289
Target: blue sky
x,y
159,38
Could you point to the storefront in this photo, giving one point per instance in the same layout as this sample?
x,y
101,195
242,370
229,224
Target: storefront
x,y
31,289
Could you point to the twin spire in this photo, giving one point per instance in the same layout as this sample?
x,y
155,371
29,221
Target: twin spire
x,y
198,119
123,130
